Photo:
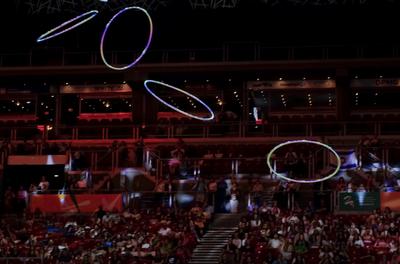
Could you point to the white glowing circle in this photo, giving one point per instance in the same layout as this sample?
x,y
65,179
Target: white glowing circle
x,y
303,141
150,37
53,32
189,95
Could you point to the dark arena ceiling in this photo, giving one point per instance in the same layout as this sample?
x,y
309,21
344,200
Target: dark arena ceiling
x,y
204,23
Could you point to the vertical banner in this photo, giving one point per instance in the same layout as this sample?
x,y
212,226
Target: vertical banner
x,y
359,201
62,203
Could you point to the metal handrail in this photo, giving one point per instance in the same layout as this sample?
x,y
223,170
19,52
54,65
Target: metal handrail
x,y
226,52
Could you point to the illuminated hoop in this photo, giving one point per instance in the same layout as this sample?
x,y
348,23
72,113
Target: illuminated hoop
x,y
48,35
144,50
303,141
173,107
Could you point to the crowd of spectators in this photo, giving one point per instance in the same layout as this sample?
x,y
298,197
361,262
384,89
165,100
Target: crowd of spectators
x,y
269,235
162,235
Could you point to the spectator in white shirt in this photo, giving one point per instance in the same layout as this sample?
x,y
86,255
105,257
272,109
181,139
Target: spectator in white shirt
x,y
164,231
275,242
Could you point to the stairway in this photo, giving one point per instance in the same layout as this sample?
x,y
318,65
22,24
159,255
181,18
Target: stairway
x,y
268,196
212,244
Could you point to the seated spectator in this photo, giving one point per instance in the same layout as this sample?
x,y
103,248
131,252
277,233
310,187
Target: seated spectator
x,y
300,246
275,242
340,185
43,185
32,188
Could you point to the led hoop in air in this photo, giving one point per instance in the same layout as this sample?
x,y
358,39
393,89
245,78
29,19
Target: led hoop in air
x,y
49,34
144,50
303,141
173,107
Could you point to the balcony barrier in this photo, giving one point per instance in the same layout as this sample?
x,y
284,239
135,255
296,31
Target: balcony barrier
x,y
228,53
206,130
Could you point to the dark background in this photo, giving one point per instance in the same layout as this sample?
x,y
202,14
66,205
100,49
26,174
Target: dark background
x,y
178,25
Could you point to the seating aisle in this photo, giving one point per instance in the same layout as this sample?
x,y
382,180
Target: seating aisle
x,y
212,244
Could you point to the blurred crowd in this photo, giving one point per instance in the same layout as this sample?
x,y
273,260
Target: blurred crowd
x,y
269,235
162,235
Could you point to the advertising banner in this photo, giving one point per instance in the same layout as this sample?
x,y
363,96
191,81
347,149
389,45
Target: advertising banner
x,y
300,84
359,201
38,160
82,89
62,203
375,83
391,200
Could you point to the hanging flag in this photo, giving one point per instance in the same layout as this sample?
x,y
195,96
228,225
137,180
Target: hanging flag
x,y
348,159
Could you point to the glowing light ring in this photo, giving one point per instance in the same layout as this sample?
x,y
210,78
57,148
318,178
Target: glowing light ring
x,y
303,141
144,50
173,107
48,35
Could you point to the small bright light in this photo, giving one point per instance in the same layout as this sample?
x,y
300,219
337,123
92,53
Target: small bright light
x,y
381,76
66,83
258,79
280,79
17,103
329,77
356,77
56,175
28,102
107,105
304,78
